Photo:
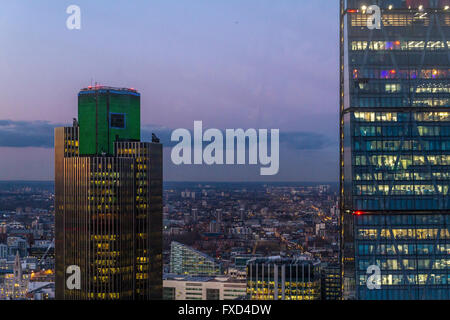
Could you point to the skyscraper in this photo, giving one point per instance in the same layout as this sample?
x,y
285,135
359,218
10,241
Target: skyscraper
x,y
108,201
395,148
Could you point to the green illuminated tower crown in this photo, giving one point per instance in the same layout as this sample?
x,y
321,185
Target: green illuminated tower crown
x,y
106,115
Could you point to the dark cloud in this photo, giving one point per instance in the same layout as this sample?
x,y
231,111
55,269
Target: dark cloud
x,y
295,140
305,140
21,134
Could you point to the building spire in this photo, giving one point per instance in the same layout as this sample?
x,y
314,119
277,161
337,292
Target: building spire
x,y
17,267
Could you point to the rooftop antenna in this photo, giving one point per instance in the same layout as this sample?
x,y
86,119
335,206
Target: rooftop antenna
x,y
155,139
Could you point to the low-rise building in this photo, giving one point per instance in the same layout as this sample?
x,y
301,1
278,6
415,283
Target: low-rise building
x,y
185,260
177,287
276,278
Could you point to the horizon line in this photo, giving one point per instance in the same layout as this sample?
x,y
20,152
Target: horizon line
x,y
199,181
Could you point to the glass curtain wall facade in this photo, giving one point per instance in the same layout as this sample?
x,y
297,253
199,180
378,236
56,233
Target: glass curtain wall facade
x,y
66,145
98,226
108,203
331,282
395,148
283,279
147,158
185,260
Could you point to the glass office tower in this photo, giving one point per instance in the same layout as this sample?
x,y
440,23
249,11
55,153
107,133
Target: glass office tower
x,y
395,149
108,200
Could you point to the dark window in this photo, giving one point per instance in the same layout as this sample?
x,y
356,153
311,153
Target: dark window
x,y
169,293
212,294
117,120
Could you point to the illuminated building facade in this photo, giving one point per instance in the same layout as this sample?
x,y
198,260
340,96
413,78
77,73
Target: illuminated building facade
x,y
395,149
15,285
185,260
331,282
278,278
108,200
148,227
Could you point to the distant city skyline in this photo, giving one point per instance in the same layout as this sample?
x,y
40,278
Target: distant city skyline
x,y
252,64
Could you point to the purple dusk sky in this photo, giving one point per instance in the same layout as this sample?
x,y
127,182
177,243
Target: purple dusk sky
x,y
232,64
